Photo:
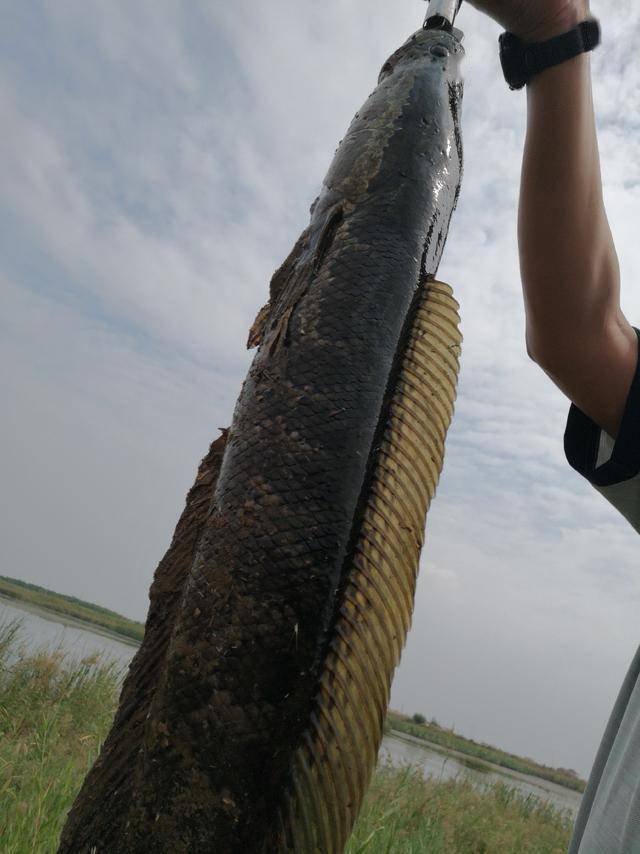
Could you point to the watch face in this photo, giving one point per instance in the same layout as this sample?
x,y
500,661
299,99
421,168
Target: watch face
x,y
512,57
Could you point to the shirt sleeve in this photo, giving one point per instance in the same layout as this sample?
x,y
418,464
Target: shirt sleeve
x,y
612,467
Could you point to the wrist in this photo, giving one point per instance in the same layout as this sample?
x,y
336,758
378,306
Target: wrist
x,y
567,18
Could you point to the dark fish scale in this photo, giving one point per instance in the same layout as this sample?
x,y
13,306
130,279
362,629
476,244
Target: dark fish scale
x,y
107,788
257,613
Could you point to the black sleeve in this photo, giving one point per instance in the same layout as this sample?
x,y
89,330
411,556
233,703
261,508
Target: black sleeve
x,y
582,442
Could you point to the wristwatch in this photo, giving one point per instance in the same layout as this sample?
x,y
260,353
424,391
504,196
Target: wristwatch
x,y
521,61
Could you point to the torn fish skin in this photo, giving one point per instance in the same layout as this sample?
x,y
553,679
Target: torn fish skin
x,y
213,762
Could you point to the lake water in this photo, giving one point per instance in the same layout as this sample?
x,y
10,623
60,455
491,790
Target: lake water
x,y
39,629
401,749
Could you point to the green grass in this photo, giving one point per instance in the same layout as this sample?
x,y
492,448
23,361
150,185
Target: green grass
x,y
403,814
450,740
432,732
69,606
55,712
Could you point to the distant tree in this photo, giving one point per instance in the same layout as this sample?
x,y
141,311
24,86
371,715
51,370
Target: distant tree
x,y
569,772
419,719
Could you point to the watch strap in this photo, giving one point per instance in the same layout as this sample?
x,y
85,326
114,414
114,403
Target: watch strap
x,y
521,61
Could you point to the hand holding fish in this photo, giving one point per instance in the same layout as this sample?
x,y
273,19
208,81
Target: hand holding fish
x,y
535,20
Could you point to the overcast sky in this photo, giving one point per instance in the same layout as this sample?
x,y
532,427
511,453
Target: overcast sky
x,y
157,162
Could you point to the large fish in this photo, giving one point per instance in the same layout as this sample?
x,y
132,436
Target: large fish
x,y
251,716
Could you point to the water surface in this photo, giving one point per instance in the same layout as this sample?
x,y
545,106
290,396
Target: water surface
x,y
42,629
401,749
39,629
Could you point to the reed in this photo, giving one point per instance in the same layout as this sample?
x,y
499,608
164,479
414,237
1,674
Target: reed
x,y
404,814
55,712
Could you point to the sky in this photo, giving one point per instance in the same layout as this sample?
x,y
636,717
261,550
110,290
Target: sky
x,y
157,163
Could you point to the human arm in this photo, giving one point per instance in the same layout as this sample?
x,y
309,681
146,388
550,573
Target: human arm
x,y
576,330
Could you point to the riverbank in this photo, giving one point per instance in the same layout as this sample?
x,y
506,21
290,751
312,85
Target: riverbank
x,y
437,736
439,763
55,713
83,613
86,615
53,718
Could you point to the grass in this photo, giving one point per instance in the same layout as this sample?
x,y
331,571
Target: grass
x,y
69,606
403,814
428,731
450,740
55,712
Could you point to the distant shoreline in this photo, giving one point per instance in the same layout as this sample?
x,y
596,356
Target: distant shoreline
x,y
484,765
65,620
71,611
436,736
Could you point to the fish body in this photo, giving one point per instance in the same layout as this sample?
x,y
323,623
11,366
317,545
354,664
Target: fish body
x,y
210,764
